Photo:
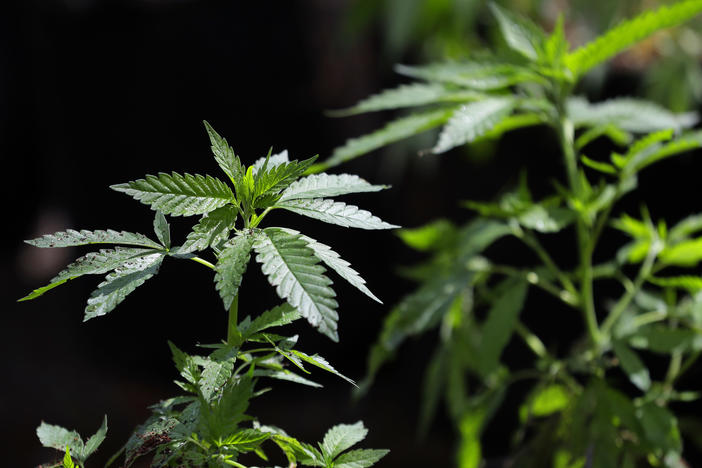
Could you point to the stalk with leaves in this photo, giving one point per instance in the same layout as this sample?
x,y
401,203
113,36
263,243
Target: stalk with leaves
x,y
208,425
579,412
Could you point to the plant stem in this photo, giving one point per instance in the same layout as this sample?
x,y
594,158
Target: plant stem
x,y
203,262
233,333
531,241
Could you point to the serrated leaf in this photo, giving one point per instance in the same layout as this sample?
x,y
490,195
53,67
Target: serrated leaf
x,y
224,155
487,75
92,444
274,160
214,374
92,263
120,283
294,270
221,417
519,33
632,365
212,229
342,437
657,152
327,185
362,458
59,438
335,212
500,322
473,121
148,437
246,440
71,238
415,94
285,375
396,130
322,363
162,229
338,264
280,315
276,178
231,266
179,195
633,115
630,32
67,460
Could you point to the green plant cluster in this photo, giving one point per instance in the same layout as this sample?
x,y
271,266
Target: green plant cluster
x,y
209,425
577,413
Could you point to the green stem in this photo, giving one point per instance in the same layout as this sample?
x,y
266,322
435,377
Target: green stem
x,y
203,262
233,334
532,341
531,241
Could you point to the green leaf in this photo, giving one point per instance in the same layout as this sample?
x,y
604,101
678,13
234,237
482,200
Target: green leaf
x,y
473,121
294,270
59,438
396,130
71,238
336,263
632,365
148,437
231,266
93,263
598,165
327,185
67,460
335,212
274,160
92,444
664,340
628,114
179,195
415,94
222,417
120,283
689,283
545,401
162,230
500,323
360,458
486,75
686,227
224,155
630,32
246,440
660,427
319,361
342,437
657,152
432,236
686,253
271,180
286,375
275,317
520,34
212,229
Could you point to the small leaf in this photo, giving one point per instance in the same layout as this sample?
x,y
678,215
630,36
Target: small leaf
x,y
275,317
660,427
92,444
520,34
664,340
179,195
212,229
335,212
162,230
429,237
224,155
222,417
685,228
274,160
598,166
274,179
327,185
360,458
231,266
294,270
67,460
342,437
472,121
545,401
246,440
484,75
59,438
319,361
686,253
396,130
633,366
71,238
689,283
285,374
120,283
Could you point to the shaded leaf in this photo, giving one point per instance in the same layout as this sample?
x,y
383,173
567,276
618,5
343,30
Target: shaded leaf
x,y
342,437
231,266
661,339
633,366
520,33
362,458
486,75
212,229
162,229
70,238
327,185
687,282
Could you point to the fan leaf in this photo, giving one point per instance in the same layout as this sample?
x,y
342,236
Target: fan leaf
x,y
71,238
224,155
231,266
212,229
335,212
327,185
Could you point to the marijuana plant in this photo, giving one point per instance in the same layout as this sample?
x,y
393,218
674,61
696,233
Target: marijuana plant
x,y
578,413
208,426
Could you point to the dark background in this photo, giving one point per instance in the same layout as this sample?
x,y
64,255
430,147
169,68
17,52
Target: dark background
x,y
94,93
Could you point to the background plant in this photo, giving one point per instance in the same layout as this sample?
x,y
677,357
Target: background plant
x,y
209,426
578,412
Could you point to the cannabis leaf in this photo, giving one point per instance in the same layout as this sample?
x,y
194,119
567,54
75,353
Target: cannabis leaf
x,y
342,437
335,212
327,185
520,34
70,442
71,238
212,229
224,155
231,266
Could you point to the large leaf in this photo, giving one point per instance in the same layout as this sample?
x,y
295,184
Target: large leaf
x,y
231,266
93,263
362,458
519,33
224,155
629,33
120,283
59,438
394,131
179,195
213,228
335,212
415,94
473,121
628,114
342,437
338,264
481,76
292,267
327,185
70,238
221,417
